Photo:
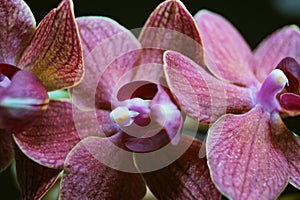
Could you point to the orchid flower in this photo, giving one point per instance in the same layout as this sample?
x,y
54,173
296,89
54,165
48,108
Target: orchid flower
x,y
132,114
251,153
34,61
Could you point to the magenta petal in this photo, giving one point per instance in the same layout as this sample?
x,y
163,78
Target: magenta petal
x,y
186,178
290,102
6,149
244,162
283,43
52,136
290,146
226,52
110,52
34,179
54,54
22,102
201,95
17,27
87,177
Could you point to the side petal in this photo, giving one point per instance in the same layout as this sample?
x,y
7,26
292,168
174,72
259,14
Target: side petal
x,y
17,26
54,54
283,43
34,179
243,161
227,54
110,52
186,178
87,177
201,95
6,150
289,145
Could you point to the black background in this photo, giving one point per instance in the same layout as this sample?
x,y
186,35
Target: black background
x,y
254,19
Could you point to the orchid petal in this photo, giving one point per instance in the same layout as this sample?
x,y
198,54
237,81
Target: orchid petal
x,y
54,54
227,54
17,27
110,52
34,179
52,136
201,95
22,102
6,150
289,145
87,177
290,102
186,178
283,43
243,161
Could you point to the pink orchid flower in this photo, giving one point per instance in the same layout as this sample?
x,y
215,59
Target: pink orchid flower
x,y
132,114
251,153
33,61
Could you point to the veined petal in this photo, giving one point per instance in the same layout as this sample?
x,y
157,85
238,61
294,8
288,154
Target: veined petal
x,y
283,43
17,26
186,178
6,149
201,95
289,145
87,177
34,179
22,102
110,52
227,54
54,54
243,161
51,137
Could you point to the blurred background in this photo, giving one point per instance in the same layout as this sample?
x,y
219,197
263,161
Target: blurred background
x,y
254,19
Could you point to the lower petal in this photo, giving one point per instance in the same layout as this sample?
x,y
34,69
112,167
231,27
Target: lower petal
x,y
87,176
243,161
6,149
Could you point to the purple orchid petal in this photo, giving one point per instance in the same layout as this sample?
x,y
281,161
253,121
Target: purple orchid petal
x,y
6,150
289,145
227,54
186,178
291,69
243,161
17,27
22,102
110,52
52,136
169,27
34,179
87,177
290,102
283,43
54,54
201,95
137,89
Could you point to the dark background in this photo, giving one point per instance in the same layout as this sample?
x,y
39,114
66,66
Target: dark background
x,y
254,19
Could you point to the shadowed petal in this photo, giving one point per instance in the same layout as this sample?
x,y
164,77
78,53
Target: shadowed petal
x,y
283,43
22,102
186,178
201,95
52,137
54,54
17,26
110,52
290,102
6,149
244,163
34,179
87,177
289,145
226,52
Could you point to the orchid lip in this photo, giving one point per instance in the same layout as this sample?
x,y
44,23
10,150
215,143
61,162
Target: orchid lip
x,y
273,85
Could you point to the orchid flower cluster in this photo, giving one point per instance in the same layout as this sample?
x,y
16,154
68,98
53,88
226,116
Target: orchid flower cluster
x,y
122,128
